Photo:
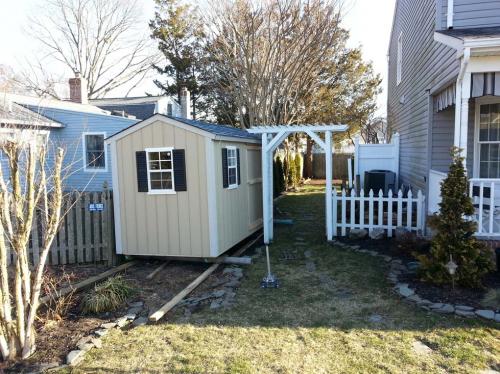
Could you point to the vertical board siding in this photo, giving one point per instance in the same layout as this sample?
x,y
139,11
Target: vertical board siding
x,y
472,13
164,225
426,64
233,224
77,241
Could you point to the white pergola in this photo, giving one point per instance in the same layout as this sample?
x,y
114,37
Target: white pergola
x,y
272,137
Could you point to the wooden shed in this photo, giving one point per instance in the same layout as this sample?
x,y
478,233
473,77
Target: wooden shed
x,y
184,188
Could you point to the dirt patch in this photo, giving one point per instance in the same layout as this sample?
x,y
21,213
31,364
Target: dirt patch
x,y
56,338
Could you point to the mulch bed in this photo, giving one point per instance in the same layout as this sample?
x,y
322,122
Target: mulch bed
x,y
439,294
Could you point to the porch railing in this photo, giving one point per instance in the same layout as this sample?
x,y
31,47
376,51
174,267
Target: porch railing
x,y
485,194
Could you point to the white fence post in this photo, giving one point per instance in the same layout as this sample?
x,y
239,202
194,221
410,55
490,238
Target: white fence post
x,y
362,209
344,213
370,211
409,210
389,214
334,212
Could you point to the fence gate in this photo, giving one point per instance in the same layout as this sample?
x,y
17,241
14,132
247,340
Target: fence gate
x,y
372,211
86,233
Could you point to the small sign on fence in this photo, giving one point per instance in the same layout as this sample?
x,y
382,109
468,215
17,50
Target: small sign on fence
x,y
96,207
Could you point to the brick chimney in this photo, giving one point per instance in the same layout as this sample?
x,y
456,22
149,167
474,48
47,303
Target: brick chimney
x,y
78,89
185,103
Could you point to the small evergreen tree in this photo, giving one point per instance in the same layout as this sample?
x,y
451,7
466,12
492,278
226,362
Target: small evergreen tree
x,y
290,172
454,234
298,168
281,173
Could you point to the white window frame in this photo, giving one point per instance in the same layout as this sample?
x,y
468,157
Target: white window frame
x,y
399,59
235,149
86,168
165,191
485,100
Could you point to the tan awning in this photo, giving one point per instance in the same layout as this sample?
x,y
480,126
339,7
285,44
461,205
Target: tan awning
x,y
485,84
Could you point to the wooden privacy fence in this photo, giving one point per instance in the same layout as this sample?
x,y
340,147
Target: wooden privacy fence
x,y
86,232
339,166
371,211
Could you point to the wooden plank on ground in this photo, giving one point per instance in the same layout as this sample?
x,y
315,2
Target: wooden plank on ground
x,y
157,270
156,316
90,281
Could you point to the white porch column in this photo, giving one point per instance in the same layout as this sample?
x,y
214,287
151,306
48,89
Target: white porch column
x,y
265,188
464,114
329,211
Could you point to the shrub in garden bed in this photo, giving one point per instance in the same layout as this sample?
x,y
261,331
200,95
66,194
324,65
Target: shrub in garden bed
x,y
454,240
107,296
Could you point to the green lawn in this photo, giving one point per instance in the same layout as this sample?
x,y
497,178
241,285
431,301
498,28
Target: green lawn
x,y
317,322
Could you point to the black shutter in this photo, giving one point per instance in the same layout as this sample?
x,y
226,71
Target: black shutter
x,y
225,179
142,171
238,164
179,159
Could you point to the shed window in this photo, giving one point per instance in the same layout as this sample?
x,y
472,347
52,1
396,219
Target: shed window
x,y
399,62
160,170
232,167
95,151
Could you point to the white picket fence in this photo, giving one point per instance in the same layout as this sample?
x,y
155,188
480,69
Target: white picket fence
x,y
371,211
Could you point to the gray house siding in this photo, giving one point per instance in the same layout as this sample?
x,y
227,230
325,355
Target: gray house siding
x,y
427,65
443,128
471,13
70,138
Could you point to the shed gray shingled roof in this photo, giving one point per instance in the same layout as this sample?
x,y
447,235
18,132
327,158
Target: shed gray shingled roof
x,y
221,130
478,32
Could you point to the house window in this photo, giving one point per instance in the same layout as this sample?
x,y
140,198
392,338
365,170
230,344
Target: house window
x,y
232,167
160,170
399,63
489,141
94,151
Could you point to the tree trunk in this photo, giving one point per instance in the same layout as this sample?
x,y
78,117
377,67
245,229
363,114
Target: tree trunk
x,y
308,159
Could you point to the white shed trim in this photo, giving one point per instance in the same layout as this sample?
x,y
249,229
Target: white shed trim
x,y
161,118
212,198
272,136
116,199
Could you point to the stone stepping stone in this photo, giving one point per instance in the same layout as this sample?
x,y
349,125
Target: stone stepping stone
x,y
420,348
308,254
375,318
287,255
310,266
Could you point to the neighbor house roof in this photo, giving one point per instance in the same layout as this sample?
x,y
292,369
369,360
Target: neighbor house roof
x,y
17,115
140,107
214,130
472,33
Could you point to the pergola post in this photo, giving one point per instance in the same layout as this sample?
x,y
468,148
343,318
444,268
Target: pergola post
x,y
265,188
271,194
328,197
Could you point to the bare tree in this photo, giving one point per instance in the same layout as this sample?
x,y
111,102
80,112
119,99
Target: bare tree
x,y
100,39
31,186
270,53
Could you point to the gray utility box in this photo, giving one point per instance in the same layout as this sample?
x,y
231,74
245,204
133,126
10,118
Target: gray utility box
x,y
377,180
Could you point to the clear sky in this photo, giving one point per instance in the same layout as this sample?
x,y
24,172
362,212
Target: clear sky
x,y
368,20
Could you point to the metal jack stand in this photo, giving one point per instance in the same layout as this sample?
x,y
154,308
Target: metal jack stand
x,y
269,281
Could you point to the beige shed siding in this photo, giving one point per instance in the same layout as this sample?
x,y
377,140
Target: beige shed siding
x,y
233,224
164,225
